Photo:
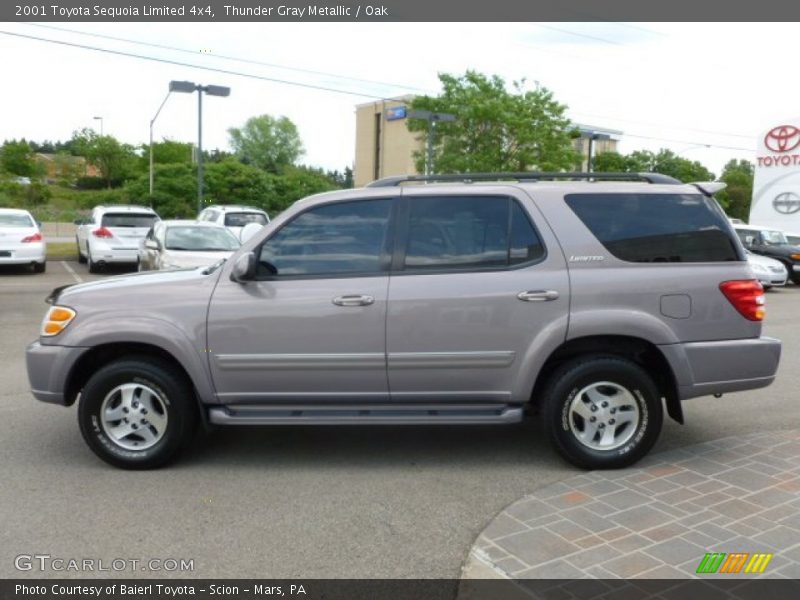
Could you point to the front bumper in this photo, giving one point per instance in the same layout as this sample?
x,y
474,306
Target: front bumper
x,y
48,370
705,368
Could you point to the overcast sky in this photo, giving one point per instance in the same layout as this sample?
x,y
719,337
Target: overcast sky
x,y
679,86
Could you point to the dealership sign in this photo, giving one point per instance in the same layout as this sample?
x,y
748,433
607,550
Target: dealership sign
x,y
776,189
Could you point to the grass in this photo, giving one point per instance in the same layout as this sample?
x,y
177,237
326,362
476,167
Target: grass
x,y
61,251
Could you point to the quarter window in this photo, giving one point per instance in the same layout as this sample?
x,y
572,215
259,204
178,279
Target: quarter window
x,y
658,227
330,240
469,232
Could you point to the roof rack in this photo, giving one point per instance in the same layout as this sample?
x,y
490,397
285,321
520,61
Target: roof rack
x,y
525,176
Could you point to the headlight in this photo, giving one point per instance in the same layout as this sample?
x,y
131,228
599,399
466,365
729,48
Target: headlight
x,y
56,320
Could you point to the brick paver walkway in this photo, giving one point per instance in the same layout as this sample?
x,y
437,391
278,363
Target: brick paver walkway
x,y
657,520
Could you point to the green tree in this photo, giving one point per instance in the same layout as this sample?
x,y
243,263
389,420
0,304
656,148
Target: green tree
x,y
738,175
267,142
116,161
495,130
16,158
166,152
664,161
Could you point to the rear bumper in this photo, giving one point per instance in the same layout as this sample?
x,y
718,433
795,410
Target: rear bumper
x,y
704,368
25,255
48,369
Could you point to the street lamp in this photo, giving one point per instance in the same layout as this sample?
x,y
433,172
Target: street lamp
x,y
101,124
432,118
188,87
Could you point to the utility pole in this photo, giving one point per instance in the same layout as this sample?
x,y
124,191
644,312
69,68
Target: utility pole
x,y
432,118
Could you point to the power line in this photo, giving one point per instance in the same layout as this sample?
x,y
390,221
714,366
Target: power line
x,y
201,67
739,135
222,56
649,137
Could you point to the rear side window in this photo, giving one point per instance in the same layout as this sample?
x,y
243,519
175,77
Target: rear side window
x,y
128,220
658,227
242,219
456,232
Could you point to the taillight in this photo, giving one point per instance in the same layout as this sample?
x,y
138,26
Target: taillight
x,y
747,296
36,237
102,233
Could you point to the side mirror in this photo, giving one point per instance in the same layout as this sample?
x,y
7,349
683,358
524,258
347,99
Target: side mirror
x,y
151,244
244,269
248,231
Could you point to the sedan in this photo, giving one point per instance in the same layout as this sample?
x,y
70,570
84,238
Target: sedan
x,y
768,271
21,241
185,245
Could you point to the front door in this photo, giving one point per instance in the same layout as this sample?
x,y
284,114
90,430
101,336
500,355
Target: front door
x,y
311,328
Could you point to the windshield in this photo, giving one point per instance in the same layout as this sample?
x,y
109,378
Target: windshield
x,y
200,239
128,220
774,237
243,218
15,221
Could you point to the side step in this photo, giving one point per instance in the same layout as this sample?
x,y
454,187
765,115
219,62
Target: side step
x,y
379,414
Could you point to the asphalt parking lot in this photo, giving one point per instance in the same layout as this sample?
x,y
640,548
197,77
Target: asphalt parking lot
x,y
306,502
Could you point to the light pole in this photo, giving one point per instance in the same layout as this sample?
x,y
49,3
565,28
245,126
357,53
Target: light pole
x,y
188,87
432,118
152,121
101,124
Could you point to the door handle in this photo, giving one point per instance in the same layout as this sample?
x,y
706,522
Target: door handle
x,y
353,300
538,296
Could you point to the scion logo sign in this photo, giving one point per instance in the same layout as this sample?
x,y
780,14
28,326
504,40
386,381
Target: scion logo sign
x,y
786,203
782,138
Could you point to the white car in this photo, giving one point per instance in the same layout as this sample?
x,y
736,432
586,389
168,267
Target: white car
x,y
233,217
21,240
768,271
185,244
113,235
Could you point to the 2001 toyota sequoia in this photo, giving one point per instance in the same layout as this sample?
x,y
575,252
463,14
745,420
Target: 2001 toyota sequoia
x,y
591,298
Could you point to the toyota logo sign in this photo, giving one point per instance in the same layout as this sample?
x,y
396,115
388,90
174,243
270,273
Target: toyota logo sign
x,y
786,203
782,138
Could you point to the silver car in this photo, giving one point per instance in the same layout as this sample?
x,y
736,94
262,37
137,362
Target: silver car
x,y
182,244
768,271
598,301
21,240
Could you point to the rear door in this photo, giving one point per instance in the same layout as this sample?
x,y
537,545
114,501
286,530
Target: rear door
x,y
476,278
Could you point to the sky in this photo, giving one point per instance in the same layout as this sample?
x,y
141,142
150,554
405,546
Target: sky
x,y
705,91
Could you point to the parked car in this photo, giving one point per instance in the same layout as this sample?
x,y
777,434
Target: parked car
x,y
184,245
771,242
233,217
21,240
112,235
768,271
594,302
793,238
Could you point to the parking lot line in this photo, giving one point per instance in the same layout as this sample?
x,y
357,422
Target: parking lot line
x,y
72,272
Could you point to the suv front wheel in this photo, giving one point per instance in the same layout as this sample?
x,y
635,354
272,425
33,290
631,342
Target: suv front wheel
x,y
137,413
602,412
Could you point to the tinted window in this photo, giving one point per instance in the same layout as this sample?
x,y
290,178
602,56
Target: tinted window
x,y
128,220
657,227
242,219
335,239
468,232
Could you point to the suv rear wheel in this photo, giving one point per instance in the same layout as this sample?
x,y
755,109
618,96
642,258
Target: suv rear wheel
x,y
137,413
602,412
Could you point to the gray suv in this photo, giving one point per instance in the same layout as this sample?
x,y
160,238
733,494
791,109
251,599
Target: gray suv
x,y
595,300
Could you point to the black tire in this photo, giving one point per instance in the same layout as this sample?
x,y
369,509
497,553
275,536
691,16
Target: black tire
x,y
592,374
40,267
93,266
176,406
81,257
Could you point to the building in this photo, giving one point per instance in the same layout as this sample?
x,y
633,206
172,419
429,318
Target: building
x,y
385,146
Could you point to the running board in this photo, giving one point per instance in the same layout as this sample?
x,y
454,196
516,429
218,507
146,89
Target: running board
x,y
384,414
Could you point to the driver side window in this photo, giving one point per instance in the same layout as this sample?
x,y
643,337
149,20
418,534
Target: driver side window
x,y
347,238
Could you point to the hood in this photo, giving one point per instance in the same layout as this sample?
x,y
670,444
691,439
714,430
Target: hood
x,y
186,259
123,285
765,261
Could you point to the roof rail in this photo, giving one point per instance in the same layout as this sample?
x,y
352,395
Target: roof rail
x,y
525,176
